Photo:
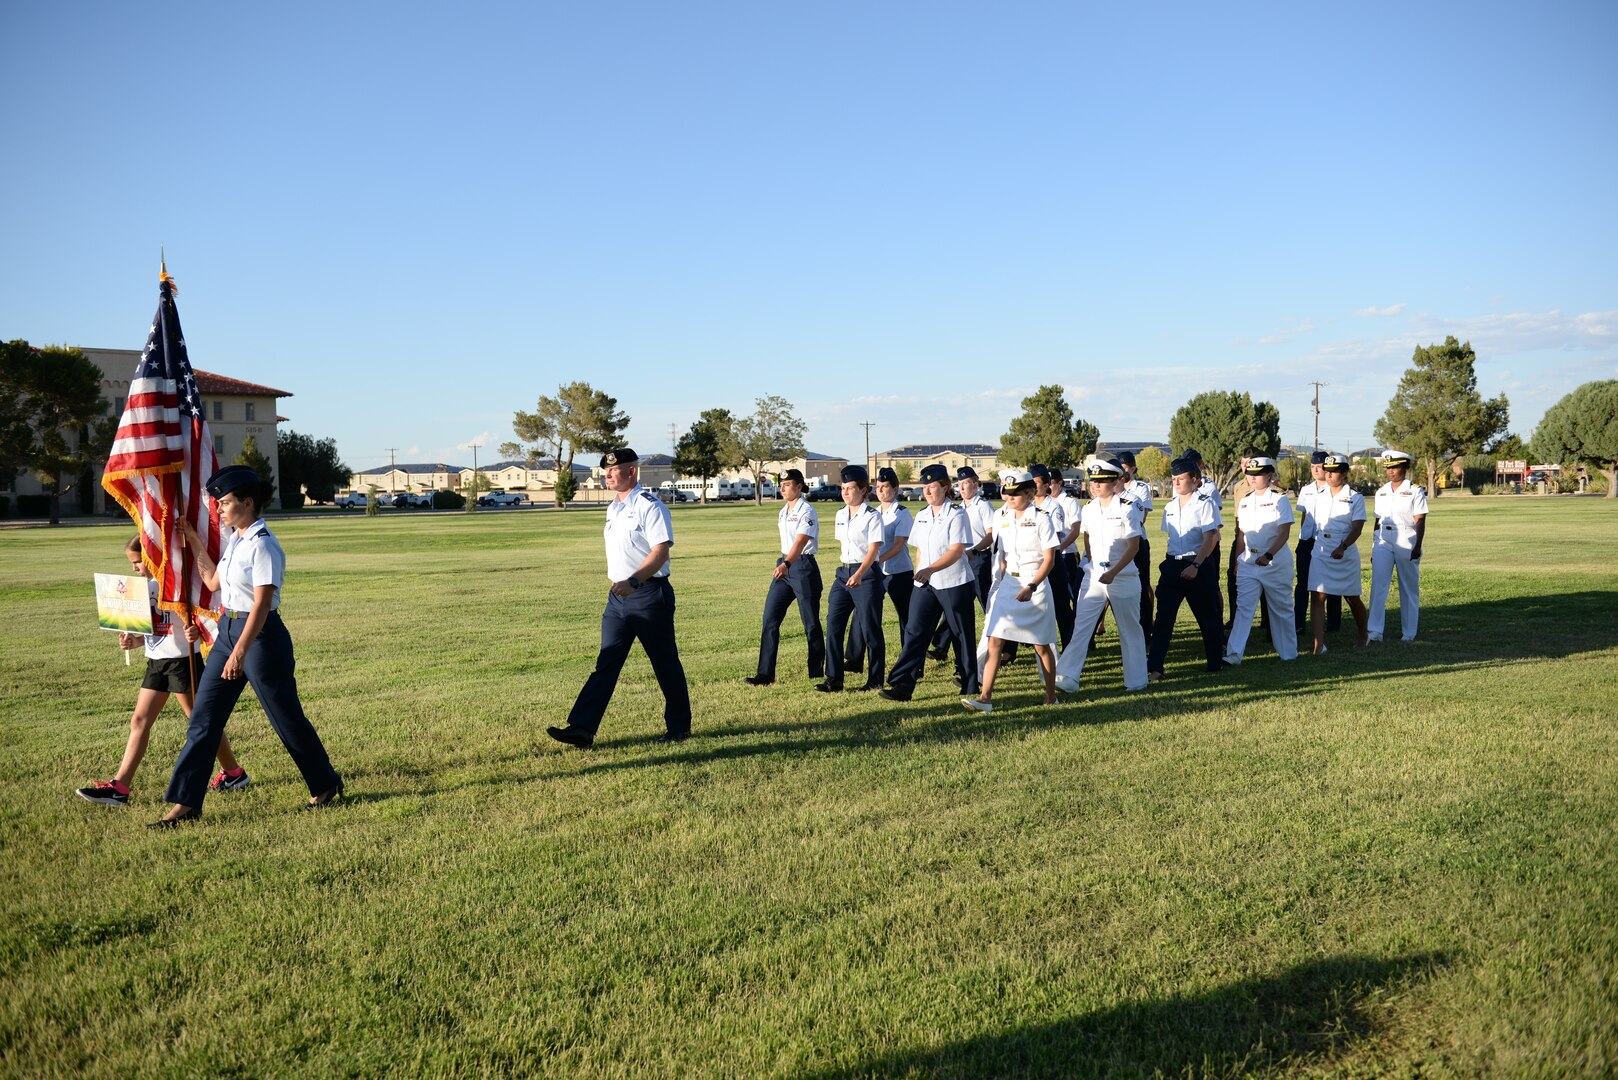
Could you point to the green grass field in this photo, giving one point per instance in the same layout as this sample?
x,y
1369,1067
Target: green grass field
x,y
1402,860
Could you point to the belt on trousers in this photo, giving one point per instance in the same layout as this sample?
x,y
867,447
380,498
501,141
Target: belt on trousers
x,y
229,614
1183,558
847,565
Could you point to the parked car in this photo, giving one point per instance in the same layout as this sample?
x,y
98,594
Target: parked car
x,y
500,498
422,499
353,500
824,493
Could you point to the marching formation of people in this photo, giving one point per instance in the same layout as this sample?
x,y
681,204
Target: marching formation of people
x,y
1045,568
1042,569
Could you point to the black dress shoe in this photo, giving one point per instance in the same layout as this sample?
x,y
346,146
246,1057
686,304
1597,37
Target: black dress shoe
x,y
757,680
192,814
320,802
938,654
830,686
572,736
673,736
894,694
869,686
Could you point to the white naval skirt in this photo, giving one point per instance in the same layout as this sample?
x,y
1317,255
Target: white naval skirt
x,y
1335,577
1010,619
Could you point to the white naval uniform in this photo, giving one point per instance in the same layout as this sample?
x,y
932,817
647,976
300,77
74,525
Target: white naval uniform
x,y
1335,515
1396,511
1108,525
1071,509
1261,516
1020,541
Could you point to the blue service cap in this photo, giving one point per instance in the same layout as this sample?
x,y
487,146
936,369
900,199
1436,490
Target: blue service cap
x,y
886,475
233,478
1318,457
966,472
1039,472
935,474
1182,465
855,474
1126,457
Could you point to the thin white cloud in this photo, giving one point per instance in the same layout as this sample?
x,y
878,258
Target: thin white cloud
x,y
1374,312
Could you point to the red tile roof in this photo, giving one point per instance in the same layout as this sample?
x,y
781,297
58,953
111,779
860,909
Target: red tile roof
x,y
209,383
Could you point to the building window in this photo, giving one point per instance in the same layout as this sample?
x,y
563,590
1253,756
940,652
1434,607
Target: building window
x,y
219,410
117,406
249,412
219,444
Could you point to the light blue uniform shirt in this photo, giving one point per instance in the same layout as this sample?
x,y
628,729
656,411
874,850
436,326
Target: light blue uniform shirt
x,y
636,524
249,560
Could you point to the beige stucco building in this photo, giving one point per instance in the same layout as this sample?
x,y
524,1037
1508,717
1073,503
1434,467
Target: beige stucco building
x,y
234,410
980,457
812,465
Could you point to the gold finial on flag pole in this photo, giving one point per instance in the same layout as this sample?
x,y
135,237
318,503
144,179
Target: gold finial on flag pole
x,y
163,270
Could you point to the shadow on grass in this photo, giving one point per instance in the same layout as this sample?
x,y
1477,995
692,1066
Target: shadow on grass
x,y
1306,1015
1479,636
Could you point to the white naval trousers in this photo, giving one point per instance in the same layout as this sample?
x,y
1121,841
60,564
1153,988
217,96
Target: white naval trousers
x,y
1124,596
1385,559
1275,582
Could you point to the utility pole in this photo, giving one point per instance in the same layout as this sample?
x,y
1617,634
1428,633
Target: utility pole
x,y
673,441
868,425
1316,404
391,451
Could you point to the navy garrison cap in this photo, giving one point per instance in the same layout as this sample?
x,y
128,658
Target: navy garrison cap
x,y
1039,472
233,478
886,475
1126,457
935,474
966,472
622,456
1318,457
1182,465
855,474
795,474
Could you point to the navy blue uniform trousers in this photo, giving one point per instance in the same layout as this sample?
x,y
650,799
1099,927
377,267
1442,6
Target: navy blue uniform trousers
x,y
1143,566
802,583
1202,593
897,587
646,614
865,604
269,665
980,584
928,608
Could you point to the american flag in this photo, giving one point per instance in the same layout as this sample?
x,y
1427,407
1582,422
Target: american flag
x,y
161,457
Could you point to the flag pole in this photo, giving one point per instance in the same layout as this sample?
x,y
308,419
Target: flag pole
x,y
181,514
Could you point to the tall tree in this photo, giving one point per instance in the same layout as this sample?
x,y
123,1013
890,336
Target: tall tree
x,y
708,449
579,419
308,467
772,433
1047,432
1220,424
1437,414
1583,427
254,459
1152,465
52,416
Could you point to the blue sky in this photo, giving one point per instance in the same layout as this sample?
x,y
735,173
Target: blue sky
x,y
420,218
